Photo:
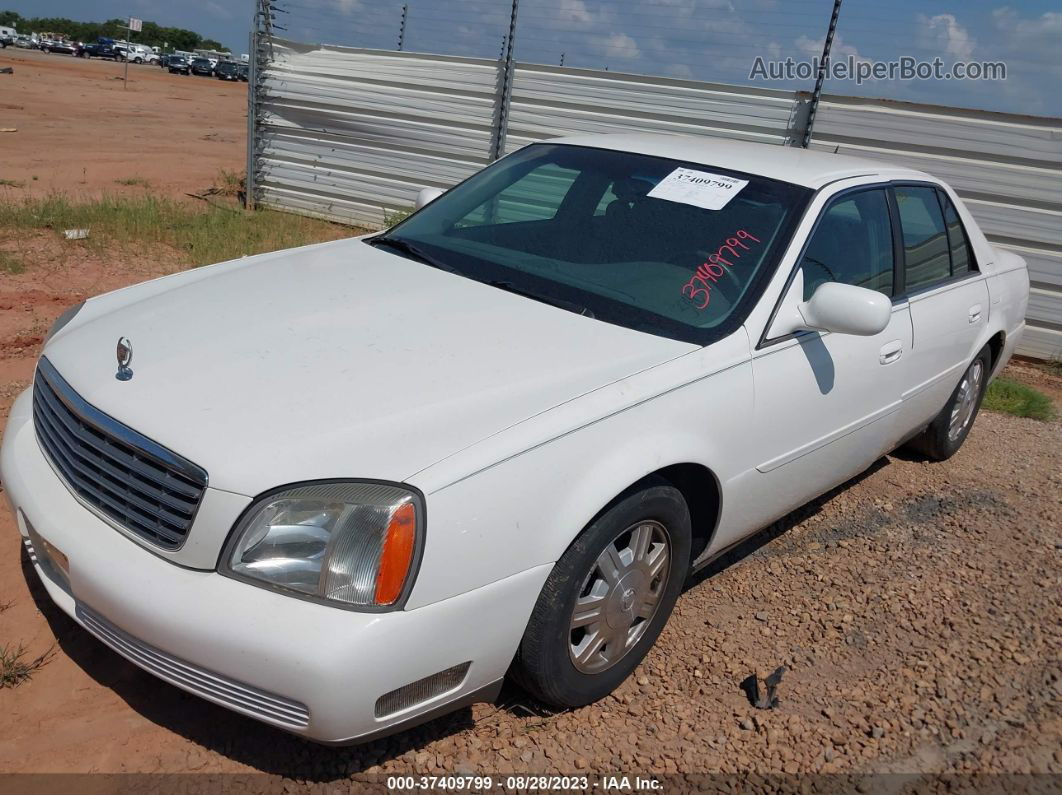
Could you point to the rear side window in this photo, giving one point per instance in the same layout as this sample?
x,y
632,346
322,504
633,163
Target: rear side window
x,y
852,244
962,260
925,241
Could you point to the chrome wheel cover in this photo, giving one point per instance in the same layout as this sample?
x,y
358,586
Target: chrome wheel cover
x,y
619,597
962,411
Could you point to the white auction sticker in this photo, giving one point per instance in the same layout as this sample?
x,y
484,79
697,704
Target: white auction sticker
x,y
699,188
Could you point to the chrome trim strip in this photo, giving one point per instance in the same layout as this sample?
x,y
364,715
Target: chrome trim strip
x,y
198,681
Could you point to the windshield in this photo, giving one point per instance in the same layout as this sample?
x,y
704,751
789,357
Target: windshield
x,y
674,248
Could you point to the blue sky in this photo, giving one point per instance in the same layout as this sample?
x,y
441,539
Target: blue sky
x,y
714,40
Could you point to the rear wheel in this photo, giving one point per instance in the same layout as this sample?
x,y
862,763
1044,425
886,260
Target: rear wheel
x,y
607,599
945,435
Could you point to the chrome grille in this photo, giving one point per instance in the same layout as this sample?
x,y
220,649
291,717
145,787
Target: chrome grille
x,y
125,476
203,683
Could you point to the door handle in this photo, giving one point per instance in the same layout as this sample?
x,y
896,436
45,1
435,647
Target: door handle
x,y
975,313
890,352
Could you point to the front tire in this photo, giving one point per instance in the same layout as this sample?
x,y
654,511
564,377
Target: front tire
x,y
946,433
607,599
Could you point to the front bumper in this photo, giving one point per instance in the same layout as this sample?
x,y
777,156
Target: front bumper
x,y
313,670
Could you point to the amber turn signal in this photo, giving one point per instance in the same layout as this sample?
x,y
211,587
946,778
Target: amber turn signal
x,y
397,555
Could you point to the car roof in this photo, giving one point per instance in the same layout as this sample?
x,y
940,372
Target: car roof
x,y
809,167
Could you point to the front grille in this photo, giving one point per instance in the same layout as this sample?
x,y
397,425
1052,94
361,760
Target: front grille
x,y
128,478
203,683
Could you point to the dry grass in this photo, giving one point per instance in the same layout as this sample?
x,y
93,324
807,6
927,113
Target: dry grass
x,y
199,234
15,669
11,264
227,183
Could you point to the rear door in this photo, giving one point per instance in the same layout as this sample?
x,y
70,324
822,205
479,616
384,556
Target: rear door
x,y
947,294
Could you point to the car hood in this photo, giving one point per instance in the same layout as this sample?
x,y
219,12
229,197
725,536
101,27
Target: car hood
x,y
335,361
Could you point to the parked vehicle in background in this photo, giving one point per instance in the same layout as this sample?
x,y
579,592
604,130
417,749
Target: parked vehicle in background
x,y
138,53
202,67
227,70
178,65
63,47
25,42
103,48
163,61
244,72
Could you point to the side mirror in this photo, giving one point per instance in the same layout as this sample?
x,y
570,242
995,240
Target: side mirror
x,y
427,196
846,309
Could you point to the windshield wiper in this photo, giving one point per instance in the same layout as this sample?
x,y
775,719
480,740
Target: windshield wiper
x,y
411,250
571,306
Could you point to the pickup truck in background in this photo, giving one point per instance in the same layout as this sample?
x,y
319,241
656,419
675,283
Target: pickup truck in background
x,y
103,48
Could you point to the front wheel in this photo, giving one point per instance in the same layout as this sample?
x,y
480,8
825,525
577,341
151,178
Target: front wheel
x,y
607,599
946,433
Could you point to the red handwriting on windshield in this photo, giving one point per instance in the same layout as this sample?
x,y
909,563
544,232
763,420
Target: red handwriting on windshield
x,y
699,287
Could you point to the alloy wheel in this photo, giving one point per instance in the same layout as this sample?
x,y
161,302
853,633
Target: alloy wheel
x,y
620,596
966,400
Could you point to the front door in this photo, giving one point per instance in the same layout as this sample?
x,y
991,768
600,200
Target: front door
x,y
826,403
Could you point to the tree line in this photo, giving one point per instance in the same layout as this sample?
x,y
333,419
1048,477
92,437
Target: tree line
x,y
152,35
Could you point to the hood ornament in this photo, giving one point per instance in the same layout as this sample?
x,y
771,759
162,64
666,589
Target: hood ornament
x,y
124,351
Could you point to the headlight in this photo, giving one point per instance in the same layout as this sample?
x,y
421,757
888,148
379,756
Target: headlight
x,y
347,544
62,320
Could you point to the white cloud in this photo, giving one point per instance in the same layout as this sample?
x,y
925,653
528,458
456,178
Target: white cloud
x,y
1039,31
574,11
618,46
812,48
943,34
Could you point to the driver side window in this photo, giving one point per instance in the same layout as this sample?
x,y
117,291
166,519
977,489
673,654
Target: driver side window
x,y
852,245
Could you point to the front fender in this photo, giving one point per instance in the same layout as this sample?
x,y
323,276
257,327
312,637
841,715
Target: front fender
x,y
527,508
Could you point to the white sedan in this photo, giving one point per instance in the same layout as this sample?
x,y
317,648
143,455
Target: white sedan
x,y
345,488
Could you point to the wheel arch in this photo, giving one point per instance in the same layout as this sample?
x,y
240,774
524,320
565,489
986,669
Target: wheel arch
x,y
995,344
699,487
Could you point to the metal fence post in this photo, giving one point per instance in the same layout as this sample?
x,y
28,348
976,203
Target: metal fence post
x,y
252,122
813,105
505,94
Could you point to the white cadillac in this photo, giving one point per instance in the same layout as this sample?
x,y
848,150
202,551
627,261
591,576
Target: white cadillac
x,y
346,488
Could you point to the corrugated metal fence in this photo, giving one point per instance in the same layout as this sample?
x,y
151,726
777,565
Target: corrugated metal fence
x,y
351,135
1007,168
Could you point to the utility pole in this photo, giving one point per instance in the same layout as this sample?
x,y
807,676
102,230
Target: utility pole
x,y
823,64
402,27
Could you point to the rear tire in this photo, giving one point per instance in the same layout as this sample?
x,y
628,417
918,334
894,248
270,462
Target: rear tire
x,y
947,432
607,598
